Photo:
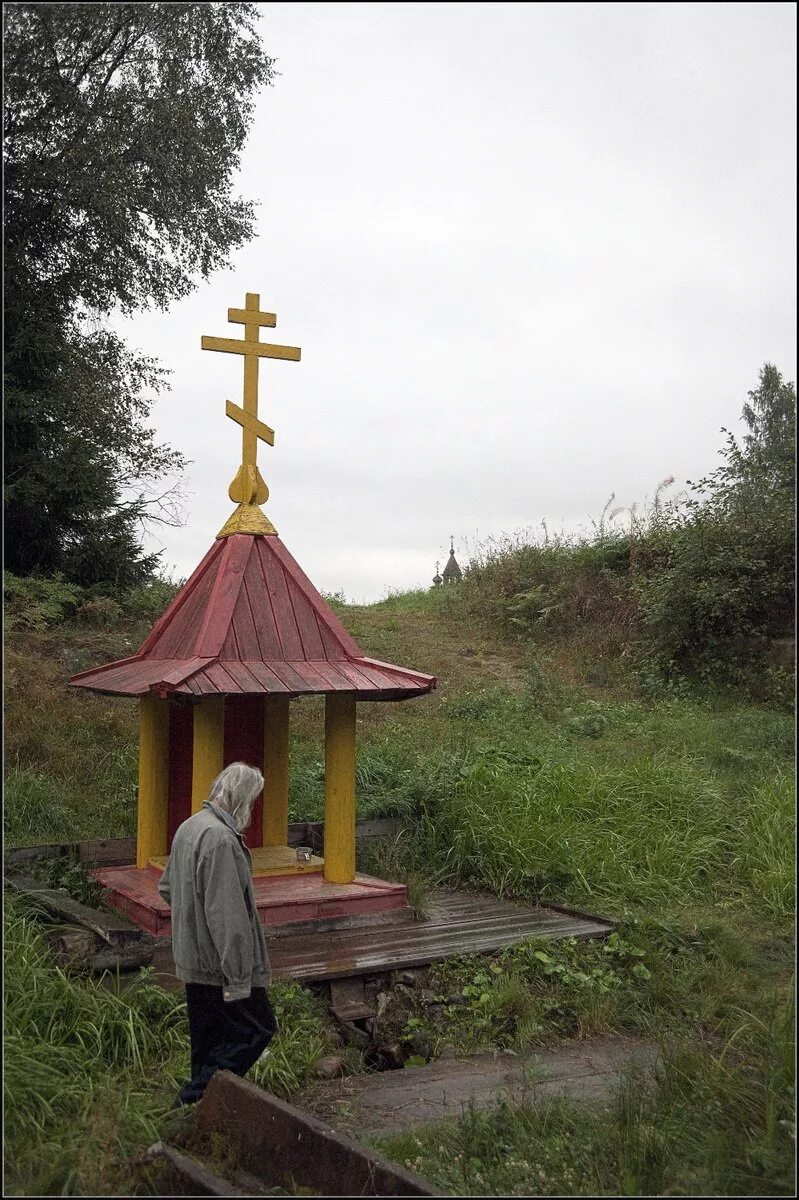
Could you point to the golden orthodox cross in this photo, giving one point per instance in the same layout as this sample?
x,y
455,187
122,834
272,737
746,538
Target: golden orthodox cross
x,y
248,488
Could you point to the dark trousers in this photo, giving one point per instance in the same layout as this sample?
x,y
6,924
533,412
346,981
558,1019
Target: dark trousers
x,y
225,1035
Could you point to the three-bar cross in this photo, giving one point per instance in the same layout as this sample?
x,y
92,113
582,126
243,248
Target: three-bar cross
x,y
248,487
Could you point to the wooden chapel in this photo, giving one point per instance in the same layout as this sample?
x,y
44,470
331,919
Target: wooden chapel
x,y
246,634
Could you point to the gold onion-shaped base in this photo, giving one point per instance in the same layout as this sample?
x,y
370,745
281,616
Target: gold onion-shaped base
x,y
247,518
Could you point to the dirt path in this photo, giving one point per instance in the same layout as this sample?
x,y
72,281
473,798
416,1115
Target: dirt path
x,y
395,1100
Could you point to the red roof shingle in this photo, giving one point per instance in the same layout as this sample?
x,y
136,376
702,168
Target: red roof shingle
x,y
250,621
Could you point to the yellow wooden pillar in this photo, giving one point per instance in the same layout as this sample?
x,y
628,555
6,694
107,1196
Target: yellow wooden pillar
x,y
276,771
151,828
207,755
340,787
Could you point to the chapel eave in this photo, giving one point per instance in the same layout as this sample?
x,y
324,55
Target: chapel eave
x,y
250,622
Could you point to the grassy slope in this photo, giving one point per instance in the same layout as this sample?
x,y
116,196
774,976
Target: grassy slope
x,y
532,772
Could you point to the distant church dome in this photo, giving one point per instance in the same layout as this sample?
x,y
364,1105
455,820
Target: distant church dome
x,y
437,577
452,572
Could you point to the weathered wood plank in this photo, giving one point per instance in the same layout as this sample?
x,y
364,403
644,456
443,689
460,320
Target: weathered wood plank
x,y
277,591
261,610
195,1178
121,852
177,603
296,573
77,949
223,598
278,1142
20,854
107,851
459,923
117,852
306,623
112,929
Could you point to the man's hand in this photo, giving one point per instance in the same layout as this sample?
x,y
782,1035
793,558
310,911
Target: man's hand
x,y
232,991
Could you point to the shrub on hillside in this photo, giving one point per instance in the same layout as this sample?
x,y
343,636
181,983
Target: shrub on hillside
x,y
719,579
541,587
37,604
693,590
102,612
149,601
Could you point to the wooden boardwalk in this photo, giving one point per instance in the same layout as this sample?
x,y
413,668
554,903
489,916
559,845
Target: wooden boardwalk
x,y
372,944
458,923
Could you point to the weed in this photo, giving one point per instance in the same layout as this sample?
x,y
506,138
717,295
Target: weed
x,y
717,1121
299,1043
73,876
88,1070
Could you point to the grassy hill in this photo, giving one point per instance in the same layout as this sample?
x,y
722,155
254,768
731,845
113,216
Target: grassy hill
x,y
540,769
531,767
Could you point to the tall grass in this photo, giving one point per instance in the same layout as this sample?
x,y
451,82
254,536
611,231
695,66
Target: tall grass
x,y
89,1071
652,832
718,1123
768,847
545,587
70,759
614,806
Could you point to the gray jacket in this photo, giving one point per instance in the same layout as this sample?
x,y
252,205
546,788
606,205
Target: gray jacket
x,y
217,937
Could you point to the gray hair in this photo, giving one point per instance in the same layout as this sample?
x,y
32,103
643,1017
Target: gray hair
x,y
235,790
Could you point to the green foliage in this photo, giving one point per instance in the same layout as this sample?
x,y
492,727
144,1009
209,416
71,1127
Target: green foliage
x,y
528,995
35,603
89,94
439,601
541,587
102,613
718,1122
89,1070
768,850
299,1043
65,873
148,602
77,443
543,831
98,217
35,808
720,580
695,589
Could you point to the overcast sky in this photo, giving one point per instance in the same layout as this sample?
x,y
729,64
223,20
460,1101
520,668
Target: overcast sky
x,y
533,254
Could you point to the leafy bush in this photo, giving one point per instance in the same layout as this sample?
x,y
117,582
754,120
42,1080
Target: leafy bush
x,y
102,612
149,601
719,577
696,589
38,604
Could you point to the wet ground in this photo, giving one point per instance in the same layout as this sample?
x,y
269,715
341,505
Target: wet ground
x,y
392,1101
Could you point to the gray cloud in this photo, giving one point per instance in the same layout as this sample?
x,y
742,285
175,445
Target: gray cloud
x,y
532,254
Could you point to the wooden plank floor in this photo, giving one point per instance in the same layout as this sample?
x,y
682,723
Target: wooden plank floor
x,y
459,923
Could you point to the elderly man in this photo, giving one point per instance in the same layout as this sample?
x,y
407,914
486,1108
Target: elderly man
x,y
217,940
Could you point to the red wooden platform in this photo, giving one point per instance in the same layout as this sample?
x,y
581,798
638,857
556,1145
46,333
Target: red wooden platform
x,y
280,899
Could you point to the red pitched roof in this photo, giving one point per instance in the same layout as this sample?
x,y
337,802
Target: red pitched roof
x,y
250,620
